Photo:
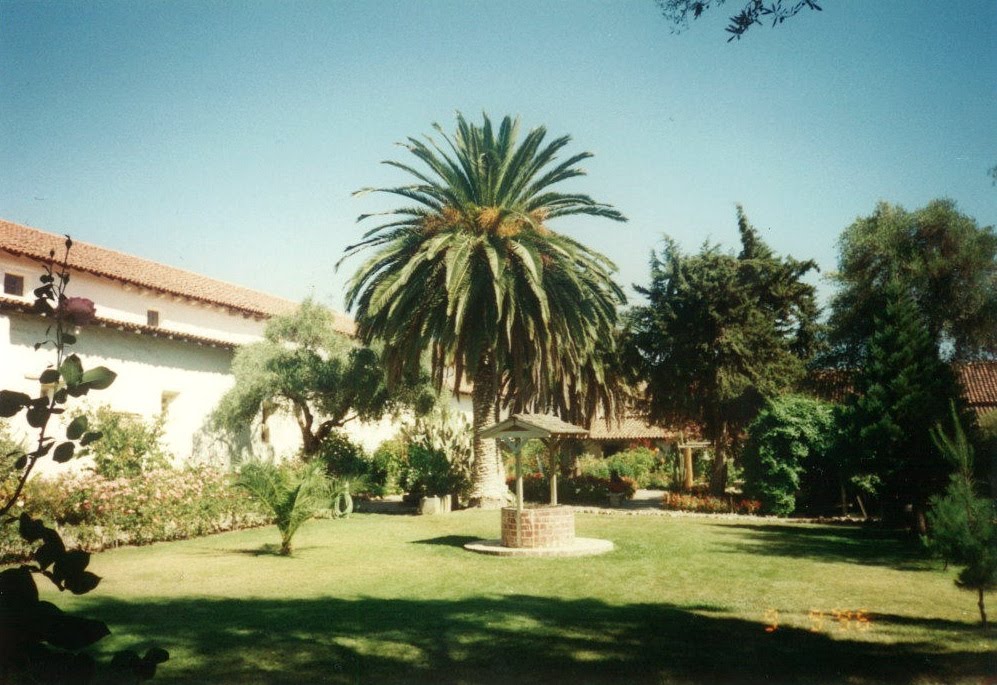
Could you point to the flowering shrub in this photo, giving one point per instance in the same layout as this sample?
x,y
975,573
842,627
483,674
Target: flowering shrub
x,y
94,512
579,490
678,501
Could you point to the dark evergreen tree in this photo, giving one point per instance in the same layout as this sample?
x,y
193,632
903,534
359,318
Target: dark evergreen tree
x,y
901,391
721,334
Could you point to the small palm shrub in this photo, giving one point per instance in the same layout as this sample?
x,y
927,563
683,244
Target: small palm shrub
x,y
292,494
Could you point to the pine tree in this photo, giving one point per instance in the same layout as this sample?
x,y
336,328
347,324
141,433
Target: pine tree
x,y
901,391
962,525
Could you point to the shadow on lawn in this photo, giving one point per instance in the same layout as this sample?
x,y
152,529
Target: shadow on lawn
x,y
510,639
868,546
448,540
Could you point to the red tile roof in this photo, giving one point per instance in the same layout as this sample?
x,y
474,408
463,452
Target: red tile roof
x,y
33,243
979,383
630,428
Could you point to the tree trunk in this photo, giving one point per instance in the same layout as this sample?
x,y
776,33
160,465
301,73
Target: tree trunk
x,y
488,488
983,609
718,473
687,466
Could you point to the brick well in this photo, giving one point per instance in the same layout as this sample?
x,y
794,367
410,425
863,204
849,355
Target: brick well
x,y
542,527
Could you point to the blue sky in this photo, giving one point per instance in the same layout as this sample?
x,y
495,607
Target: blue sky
x,y
227,137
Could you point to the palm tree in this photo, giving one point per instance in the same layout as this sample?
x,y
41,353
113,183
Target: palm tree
x,y
471,274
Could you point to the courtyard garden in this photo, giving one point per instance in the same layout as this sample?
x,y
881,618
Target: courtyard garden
x,y
379,598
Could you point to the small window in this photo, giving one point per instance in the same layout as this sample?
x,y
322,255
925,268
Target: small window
x,y
13,284
152,318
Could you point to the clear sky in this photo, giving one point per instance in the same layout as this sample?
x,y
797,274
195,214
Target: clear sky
x,y
227,137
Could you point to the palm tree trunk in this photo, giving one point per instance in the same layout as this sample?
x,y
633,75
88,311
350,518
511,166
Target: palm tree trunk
x,y
488,489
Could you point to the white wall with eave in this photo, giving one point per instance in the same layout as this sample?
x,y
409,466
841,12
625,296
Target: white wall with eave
x,y
130,304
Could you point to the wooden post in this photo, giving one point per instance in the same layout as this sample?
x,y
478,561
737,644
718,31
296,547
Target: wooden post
x,y
553,467
687,465
517,446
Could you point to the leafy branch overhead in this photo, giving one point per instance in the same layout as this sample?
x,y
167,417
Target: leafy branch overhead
x,y
752,13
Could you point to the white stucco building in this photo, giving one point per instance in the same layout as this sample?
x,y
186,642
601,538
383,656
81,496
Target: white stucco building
x,y
169,334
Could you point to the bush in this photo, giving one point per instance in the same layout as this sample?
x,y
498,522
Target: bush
x,y
344,458
439,454
597,467
387,466
129,445
637,463
95,512
429,473
677,501
578,490
789,434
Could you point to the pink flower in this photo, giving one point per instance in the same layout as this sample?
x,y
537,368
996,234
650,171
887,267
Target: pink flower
x,y
78,311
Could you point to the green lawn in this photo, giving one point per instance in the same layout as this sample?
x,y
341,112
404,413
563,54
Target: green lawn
x,y
394,599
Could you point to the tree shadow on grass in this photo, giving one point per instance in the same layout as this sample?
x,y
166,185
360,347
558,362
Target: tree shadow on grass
x,y
448,540
865,546
505,639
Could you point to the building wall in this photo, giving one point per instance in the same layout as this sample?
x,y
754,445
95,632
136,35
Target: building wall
x,y
185,378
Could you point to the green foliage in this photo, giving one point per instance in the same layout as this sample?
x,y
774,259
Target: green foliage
x,y
342,457
637,463
790,435
963,525
39,642
590,465
293,493
439,454
468,269
129,445
387,465
584,489
900,392
306,369
942,258
721,333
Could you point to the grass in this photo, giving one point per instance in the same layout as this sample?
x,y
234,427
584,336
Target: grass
x,y
394,599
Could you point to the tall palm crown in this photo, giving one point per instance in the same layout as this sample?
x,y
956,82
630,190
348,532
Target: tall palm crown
x,y
471,272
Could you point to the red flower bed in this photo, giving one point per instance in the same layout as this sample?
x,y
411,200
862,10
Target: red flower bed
x,y
678,501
